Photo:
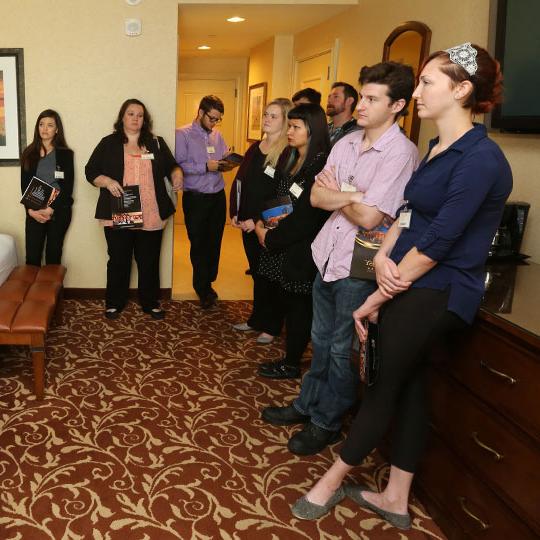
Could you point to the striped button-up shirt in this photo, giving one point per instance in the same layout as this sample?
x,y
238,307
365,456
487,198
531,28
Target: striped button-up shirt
x,y
380,173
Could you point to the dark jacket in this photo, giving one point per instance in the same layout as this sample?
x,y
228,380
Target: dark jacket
x,y
64,163
241,175
108,159
346,128
296,232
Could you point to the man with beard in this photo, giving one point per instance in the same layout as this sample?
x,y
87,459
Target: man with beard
x,y
340,107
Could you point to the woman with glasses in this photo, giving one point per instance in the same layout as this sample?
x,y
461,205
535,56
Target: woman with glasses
x,y
49,158
254,184
286,261
132,155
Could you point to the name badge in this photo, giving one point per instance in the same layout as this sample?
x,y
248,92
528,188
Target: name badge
x,y
270,171
58,175
404,221
149,155
296,190
211,149
348,187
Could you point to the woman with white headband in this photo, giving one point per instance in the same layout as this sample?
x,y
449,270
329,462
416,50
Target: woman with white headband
x,y
430,276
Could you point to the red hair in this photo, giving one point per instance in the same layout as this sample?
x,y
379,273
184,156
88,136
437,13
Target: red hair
x,y
487,81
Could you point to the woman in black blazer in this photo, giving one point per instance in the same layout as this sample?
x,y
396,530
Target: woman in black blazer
x,y
49,158
133,156
287,262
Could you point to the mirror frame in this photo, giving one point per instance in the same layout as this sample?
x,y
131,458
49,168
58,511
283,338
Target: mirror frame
x,y
425,35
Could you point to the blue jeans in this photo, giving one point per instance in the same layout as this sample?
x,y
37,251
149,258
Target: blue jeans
x,y
330,387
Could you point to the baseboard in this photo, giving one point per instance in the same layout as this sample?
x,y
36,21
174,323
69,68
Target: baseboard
x,y
99,294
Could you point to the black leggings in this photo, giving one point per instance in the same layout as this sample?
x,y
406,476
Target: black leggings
x,y
409,326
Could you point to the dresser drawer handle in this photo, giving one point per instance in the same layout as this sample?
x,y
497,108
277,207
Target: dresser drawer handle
x,y
483,525
507,378
495,454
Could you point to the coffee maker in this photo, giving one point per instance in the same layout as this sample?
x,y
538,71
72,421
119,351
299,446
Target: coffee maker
x,y
507,240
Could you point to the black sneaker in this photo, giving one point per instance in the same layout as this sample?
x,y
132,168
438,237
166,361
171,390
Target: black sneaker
x,y
270,364
283,416
311,440
280,370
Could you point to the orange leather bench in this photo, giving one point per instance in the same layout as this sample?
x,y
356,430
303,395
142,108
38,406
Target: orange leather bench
x,y
28,300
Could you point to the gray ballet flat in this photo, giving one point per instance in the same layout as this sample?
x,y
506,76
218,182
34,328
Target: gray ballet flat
x,y
400,521
242,327
304,509
265,340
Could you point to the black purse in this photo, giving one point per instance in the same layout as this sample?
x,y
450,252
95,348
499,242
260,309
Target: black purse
x,y
367,353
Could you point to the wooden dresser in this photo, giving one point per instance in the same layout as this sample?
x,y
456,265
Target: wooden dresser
x,y
480,477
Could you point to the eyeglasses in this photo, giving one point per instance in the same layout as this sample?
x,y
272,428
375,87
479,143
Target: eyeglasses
x,y
213,119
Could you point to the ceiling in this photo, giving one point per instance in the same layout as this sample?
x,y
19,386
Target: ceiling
x,y
206,24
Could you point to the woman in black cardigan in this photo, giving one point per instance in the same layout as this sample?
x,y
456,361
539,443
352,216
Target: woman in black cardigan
x,y
133,156
49,158
255,183
287,262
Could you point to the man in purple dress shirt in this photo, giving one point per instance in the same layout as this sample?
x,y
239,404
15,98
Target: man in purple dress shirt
x,y
363,183
199,151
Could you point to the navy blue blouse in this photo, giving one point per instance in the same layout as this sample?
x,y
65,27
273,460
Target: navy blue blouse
x,y
457,200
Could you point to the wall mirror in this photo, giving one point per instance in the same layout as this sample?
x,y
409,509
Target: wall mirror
x,y
409,44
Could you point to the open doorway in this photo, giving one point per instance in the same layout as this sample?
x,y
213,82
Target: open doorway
x,y
239,56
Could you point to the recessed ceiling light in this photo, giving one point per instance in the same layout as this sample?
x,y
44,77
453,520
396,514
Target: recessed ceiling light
x,y
236,19
204,48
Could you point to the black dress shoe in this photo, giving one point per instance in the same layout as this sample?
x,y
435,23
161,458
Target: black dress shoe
x,y
156,313
283,416
207,302
112,314
311,440
213,294
280,370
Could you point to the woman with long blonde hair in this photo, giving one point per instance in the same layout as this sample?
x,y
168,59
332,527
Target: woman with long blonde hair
x,y
254,184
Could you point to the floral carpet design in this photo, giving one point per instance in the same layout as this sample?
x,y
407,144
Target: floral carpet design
x,y
151,430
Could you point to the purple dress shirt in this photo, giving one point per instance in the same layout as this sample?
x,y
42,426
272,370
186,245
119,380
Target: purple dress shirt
x,y
194,147
380,173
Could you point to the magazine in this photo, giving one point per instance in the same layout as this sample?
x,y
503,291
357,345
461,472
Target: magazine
x,y
276,210
233,159
38,195
127,209
366,245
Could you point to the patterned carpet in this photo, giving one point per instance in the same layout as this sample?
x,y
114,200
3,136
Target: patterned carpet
x,y
150,431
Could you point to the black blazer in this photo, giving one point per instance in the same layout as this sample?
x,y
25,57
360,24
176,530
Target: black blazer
x,y
297,231
64,163
108,159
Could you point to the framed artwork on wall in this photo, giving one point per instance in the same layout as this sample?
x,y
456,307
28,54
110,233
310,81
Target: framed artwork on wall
x,y
256,104
12,109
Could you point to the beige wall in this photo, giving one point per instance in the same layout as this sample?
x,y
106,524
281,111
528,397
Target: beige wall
x,y
78,60
362,31
261,62
282,68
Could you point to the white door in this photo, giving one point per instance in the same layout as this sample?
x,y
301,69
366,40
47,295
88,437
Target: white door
x,y
189,95
314,72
